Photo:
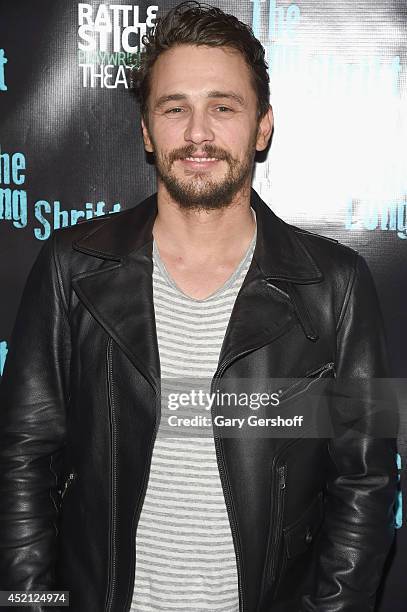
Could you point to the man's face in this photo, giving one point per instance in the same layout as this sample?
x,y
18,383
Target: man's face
x,y
202,106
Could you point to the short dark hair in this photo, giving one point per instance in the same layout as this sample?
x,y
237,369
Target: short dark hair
x,y
195,23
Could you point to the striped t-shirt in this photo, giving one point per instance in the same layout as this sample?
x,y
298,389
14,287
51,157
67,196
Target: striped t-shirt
x,y
185,558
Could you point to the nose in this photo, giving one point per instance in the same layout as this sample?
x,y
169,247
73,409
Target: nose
x,y
198,129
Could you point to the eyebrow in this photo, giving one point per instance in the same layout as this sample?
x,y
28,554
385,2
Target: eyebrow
x,y
176,97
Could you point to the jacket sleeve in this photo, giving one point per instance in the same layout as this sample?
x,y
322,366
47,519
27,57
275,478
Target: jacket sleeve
x,y
33,398
359,511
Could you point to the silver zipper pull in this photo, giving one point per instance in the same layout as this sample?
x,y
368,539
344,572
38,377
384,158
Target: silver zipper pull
x,y
68,481
281,474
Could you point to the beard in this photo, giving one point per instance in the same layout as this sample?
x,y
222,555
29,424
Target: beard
x,y
198,191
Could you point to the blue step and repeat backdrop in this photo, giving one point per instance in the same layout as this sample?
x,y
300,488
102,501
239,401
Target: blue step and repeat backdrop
x,y
71,147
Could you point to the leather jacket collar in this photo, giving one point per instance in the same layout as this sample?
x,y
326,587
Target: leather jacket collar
x,y
279,252
120,296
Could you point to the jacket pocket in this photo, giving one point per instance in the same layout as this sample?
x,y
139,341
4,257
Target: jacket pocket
x,y
301,385
296,540
299,535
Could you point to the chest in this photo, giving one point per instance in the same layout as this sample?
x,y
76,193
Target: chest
x,y
199,281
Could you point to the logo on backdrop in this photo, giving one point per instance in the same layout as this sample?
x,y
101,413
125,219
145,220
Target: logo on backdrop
x,y
352,94
3,355
110,40
48,215
3,62
378,215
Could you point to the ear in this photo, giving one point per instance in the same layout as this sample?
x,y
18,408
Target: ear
x,y
148,145
265,130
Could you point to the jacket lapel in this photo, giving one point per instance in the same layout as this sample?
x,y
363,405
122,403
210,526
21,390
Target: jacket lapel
x,y
264,308
120,295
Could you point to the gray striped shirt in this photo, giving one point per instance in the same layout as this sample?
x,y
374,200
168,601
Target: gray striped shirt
x,y
185,558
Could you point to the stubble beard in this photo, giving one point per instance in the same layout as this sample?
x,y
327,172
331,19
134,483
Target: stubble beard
x,y
200,192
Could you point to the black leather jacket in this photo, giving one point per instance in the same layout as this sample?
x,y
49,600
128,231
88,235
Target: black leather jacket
x,y
311,518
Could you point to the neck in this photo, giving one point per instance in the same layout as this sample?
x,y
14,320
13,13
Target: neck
x,y
203,235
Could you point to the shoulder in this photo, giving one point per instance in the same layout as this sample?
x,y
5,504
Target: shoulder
x,y
331,256
65,236
71,261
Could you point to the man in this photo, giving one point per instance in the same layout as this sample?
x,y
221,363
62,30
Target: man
x,y
201,280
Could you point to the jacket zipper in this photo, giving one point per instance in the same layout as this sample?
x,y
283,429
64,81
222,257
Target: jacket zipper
x,y
313,376
71,477
233,528
279,501
279,488
225,485
226,491
109,605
